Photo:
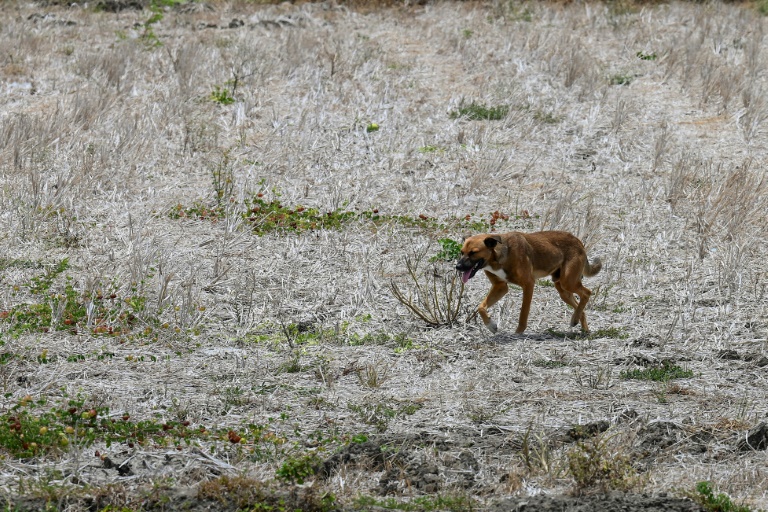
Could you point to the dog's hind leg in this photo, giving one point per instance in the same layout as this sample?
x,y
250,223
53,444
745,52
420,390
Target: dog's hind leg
x,y
569,299
570,283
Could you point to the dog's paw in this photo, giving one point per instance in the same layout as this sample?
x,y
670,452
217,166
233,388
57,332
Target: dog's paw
x,y
492,326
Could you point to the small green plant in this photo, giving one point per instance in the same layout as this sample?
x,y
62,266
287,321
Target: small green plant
x,y
620,79
646,56
467,33
148,35
372,127
222,96
450,250
429,149
661,373
298,468
705,496
478,112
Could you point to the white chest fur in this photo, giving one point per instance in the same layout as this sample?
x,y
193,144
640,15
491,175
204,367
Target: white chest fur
x,y
500,272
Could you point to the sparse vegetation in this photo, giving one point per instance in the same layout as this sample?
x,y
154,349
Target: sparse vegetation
x,y
480,112
432,296
229,232
449,503
597,464
705,496
450,250
222,96
664,372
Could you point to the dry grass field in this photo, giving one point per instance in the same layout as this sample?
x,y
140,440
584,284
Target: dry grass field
x,y
206,210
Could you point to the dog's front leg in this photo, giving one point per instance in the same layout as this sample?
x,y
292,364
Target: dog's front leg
x,y
526,307
499,288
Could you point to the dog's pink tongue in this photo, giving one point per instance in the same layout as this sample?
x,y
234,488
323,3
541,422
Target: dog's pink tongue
x,y
466,275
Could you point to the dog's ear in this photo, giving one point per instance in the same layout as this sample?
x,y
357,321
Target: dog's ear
x,y
492,241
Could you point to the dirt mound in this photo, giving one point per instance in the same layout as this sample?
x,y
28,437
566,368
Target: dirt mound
x,y
607,503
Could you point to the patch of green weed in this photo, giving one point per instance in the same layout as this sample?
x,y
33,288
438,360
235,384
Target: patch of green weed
x,y
662,373
69,309
705,496
479,112
450,250
272,215
297,468
620,79
221,96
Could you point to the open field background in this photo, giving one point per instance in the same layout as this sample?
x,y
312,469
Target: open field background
x,y
170,334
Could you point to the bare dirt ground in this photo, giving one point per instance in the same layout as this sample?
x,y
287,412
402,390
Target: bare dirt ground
x,y
172,337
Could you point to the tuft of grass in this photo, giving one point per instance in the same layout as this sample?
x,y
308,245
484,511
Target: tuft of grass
x,y
661,373
243,493
596,464
372,375
479,112
448,503
705,496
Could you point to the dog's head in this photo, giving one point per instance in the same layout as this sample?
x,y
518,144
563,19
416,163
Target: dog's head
x,y
476,253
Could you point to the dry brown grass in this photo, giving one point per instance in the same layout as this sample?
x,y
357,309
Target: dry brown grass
x,y
656,163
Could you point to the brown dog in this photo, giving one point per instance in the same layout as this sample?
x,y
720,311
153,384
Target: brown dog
x,y
521,258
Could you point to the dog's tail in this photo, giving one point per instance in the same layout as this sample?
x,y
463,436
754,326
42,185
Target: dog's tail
x,y
591,269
